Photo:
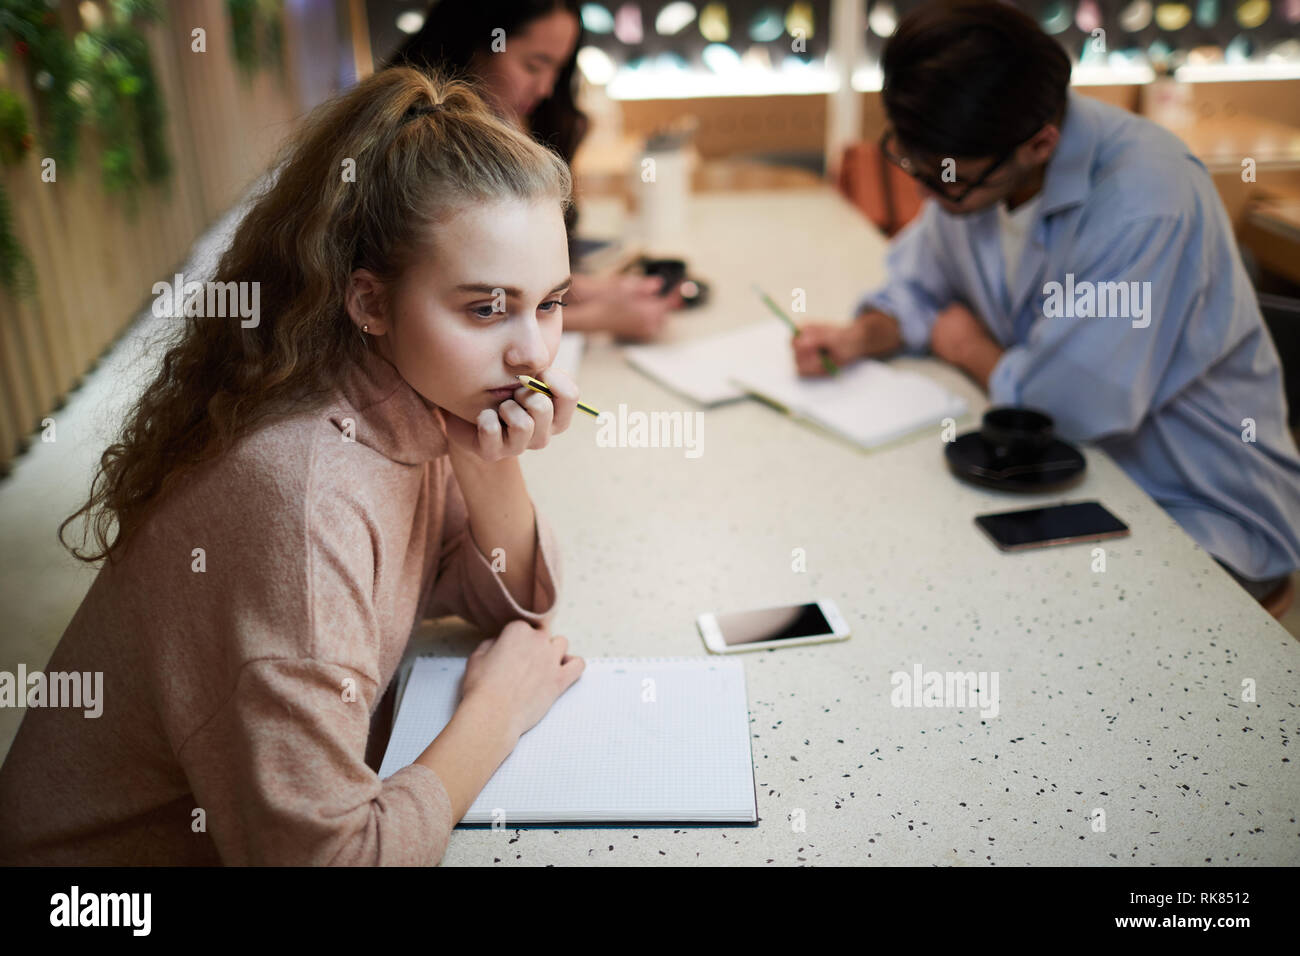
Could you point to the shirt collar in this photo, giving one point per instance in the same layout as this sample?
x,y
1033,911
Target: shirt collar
x,y
388,414
1069,170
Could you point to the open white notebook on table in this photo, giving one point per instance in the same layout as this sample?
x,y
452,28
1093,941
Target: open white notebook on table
x,y
868,402
654,740
701,370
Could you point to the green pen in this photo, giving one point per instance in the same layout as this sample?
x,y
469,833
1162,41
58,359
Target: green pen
x,y
539,386
827,363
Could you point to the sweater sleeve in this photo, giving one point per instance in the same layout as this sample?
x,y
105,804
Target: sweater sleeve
x,y
466,585
277,759
279,774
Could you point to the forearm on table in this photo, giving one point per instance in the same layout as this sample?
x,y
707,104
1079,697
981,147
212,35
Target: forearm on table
x,y
878,333
501,516
468,752
979,358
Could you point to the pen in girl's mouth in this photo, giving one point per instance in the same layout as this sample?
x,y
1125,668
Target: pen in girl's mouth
x,y
539,386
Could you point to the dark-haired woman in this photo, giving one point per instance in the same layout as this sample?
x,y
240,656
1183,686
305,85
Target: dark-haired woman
x,y
522,55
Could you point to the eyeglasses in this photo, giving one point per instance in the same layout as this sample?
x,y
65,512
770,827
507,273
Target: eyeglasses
x,y
889,149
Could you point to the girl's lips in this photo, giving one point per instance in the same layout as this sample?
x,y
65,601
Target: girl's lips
x,y
501,394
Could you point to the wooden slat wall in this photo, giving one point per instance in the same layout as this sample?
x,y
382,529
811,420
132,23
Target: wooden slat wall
x,y
734,125
95,264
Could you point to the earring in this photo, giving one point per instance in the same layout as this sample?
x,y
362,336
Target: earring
x,y
365,328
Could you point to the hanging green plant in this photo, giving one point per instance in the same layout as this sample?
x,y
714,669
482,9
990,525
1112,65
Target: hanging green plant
x,y
32,31
257,34
16,275
125,102
105,76
15,138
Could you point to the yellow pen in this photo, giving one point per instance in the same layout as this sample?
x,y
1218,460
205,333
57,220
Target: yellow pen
x,y
827,362
540,386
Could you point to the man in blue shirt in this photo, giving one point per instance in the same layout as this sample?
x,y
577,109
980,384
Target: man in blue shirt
x,y
1076,258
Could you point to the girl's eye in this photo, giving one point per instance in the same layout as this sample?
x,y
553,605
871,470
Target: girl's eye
x,y
479,310
553,302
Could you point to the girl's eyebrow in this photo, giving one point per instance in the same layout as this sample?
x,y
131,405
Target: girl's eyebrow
x,y
510,290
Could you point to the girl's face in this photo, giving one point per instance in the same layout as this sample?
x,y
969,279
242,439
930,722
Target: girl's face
x,y
482,307
524,73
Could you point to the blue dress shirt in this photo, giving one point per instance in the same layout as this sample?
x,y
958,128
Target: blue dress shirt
x,y
1133,323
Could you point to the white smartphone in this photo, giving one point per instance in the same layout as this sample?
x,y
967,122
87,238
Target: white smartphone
x,y
770,627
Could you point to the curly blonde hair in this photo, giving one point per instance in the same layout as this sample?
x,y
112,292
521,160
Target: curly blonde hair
x,y
423,145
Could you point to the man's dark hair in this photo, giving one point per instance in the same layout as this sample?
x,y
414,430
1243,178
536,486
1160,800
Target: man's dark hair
x,y
971,78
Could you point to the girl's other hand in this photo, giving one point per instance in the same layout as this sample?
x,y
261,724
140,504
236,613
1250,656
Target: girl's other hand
x,y
520,674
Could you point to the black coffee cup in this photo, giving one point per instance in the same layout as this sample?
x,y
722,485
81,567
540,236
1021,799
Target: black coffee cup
x,y
1017,433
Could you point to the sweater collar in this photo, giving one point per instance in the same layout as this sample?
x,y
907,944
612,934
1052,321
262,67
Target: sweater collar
x,y
388,414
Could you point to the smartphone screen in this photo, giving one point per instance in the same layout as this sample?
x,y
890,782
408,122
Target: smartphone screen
x,y
772,624
1059,524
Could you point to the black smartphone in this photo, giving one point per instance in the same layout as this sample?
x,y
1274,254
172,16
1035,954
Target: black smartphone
x,y
1058,524
669,271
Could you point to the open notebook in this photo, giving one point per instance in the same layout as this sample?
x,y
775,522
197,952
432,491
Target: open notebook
x,y
646,740
701,369
869,402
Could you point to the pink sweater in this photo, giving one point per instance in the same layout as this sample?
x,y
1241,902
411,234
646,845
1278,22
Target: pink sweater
x,y
228,690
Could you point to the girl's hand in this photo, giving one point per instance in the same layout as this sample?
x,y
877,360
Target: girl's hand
x,y
526,420
520,674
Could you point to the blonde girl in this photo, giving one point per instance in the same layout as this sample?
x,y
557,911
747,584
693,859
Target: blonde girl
x,y
290,496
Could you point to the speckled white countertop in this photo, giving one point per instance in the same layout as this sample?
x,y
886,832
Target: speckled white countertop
x,y
1119,691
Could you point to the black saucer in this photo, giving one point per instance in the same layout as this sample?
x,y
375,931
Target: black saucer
x,y
971,457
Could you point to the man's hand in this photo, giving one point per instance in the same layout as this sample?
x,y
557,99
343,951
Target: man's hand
x,y
870,333
958,337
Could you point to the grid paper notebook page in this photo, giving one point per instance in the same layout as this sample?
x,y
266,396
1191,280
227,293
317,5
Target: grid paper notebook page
x,y
868,402
660,740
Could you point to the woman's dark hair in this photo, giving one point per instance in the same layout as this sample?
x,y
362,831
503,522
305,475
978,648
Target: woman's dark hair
x,y
971,78
454,30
